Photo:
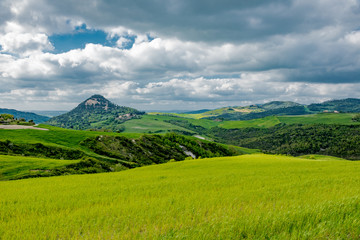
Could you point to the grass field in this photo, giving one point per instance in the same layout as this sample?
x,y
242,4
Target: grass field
x,y
327,118
55,136
17,166
151,123
257,123
250,196
324,118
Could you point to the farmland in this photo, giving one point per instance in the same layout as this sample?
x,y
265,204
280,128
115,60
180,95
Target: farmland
x,y
250,196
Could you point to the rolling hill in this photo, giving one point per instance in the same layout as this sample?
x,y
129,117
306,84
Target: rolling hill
x,y
27,115
349,105
103,151
274,108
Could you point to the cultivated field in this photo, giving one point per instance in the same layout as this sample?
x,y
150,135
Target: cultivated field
x,y
250,196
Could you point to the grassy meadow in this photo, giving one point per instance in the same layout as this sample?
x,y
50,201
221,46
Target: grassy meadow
x,y
12,167
55,136
322,118
250,196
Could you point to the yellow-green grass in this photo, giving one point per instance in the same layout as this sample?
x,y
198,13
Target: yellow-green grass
x,y
183,115
151,123
323,118
12,167
55,136
250,196
256,123
206,123
320,157
326,118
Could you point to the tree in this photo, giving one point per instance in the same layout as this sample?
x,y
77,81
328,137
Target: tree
x,y
356,118
6,116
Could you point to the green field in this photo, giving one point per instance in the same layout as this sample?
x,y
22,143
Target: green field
x,y
257,123
55,136
17,166
322,118
250,196
206,123
151,123
327,118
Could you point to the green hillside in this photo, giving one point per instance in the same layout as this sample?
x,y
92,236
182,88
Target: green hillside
x,y
250,196
349,105
106,151
12,167
278,108
256,123
278,104
296,139
26,115
321,118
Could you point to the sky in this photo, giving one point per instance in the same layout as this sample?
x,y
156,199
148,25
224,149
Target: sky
x,y
177,54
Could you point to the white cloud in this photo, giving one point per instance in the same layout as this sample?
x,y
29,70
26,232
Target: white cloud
x,y
25,44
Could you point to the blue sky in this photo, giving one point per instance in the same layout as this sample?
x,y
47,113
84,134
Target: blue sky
x,y
82,35
169,55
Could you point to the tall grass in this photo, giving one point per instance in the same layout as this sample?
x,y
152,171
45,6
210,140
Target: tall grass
x,y
12,167
249,196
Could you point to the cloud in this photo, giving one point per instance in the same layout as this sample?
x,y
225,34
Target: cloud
x,y
25,44
181,52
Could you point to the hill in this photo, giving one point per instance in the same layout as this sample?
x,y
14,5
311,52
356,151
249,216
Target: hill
x,y
14,167
274,108
278,104
105,151
349,105
244,197
296,139
26,115
96,112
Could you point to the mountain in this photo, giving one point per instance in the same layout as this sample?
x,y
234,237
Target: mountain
x,y
27,115
96,112
349,105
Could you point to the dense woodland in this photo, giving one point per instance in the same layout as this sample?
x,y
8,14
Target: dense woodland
x,y
335,140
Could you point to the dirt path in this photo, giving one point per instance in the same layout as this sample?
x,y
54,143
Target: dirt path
x,y
21,127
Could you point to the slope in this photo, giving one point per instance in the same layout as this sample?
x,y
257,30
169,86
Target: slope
x,y
26,115
14,167
250,196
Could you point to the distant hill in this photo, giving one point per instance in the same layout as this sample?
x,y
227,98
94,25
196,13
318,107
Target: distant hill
x,y
278,104
49,113
96,112
197,111
258,111
349,105
27,115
